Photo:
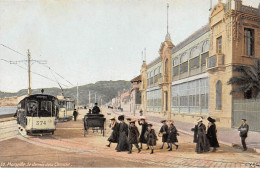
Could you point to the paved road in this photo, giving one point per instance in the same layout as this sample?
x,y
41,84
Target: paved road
x,y
68,146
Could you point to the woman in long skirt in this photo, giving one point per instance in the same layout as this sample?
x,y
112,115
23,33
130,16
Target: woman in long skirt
x,y
123,144
212,134
115,131
202,141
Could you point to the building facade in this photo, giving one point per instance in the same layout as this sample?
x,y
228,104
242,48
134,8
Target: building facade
x,y
189,80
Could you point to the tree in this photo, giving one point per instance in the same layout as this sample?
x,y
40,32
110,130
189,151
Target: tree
x,y
247,80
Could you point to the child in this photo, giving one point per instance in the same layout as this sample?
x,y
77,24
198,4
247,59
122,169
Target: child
x,y
172,135
133,136
151,137
164,133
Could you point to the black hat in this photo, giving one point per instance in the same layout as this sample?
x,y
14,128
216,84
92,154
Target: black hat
x,y
163,121
149,125
96,104
244,119
211,119
128,119
121,117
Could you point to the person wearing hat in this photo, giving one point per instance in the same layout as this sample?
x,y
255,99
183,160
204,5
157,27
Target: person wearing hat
x,y
243,133
95,109
202,141
212,134
115,131
151,137
142,122
133,136
123,144
172,135
164,133
75,114
128,120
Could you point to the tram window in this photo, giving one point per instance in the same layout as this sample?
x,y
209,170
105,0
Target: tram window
x,y
32,108
45,109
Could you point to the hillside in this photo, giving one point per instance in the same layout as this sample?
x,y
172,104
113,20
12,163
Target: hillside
x,y
104,89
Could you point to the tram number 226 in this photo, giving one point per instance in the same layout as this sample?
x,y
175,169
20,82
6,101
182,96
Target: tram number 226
x,y
40,122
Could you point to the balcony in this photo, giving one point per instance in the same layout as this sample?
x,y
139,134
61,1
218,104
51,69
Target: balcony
x,y
216,61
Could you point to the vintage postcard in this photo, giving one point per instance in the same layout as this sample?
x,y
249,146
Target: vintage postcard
x,y
129,84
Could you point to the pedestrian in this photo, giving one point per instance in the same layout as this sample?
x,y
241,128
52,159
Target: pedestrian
x,y
75,114
151,137
164,133
212,134
142,122
123,144
133,136
172,135
243,133
202,141
141,112
115,131
128,120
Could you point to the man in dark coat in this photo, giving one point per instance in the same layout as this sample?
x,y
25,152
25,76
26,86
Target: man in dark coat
x,y
164,133
133,136
95,109
172,135
115,131
151,137
243,133
202,141
123,144
75,114
143,139
212,134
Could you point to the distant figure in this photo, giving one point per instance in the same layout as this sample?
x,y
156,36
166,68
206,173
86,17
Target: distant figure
x,y
212,134
243,133
95,109
141,112
75,114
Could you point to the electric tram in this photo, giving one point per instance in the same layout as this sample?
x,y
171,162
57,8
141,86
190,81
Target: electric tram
x,y
66,108
37,114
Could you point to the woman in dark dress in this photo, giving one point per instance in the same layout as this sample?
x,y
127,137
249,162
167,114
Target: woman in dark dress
x,y
164,133
143,139
202,141
212,134
172,135
123,144
115,131
151,137
133,137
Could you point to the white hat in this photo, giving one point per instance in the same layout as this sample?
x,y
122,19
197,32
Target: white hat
x,y
199,119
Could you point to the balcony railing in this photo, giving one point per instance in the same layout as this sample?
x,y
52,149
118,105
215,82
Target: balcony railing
x,y
215,61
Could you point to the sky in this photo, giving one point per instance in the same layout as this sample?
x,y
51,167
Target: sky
x,y
86,41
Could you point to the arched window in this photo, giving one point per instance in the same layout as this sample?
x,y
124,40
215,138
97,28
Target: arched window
x,y
219,95
166,66
184,57
205,46
194,52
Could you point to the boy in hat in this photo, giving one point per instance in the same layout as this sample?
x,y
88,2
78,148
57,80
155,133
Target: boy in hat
x,y
151,137
243,133
115,131
212,134
164,133
133,136
142,122
123,135
172,135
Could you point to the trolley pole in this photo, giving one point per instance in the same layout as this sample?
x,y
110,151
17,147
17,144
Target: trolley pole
x,y
77,96
29,73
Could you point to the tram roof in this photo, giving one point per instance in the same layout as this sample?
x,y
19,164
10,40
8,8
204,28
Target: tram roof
x,y
39,96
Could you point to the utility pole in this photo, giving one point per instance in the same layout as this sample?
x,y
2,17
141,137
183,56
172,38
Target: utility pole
x,y
89,99
77,96
95,97
29,73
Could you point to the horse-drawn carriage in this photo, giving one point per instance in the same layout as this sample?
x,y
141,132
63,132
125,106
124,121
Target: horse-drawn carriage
x,y
94,121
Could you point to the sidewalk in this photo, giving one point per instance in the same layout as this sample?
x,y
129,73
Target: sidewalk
x,y
229,137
